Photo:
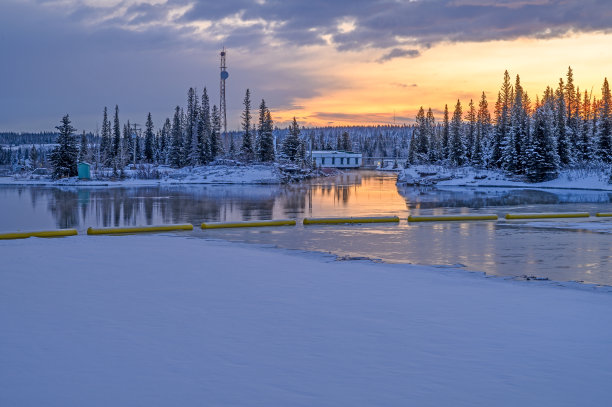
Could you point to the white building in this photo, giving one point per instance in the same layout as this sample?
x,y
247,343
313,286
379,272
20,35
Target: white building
x,y
336,159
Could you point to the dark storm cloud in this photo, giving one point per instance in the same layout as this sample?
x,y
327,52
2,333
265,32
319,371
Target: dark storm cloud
x,y
422,23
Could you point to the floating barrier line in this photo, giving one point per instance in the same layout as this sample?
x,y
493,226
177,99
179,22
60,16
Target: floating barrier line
x,y
138,229
371,219
603,215
40,233
547,215
445,218
248,224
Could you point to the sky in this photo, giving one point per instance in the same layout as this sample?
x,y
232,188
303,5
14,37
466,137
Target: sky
x,y
345,62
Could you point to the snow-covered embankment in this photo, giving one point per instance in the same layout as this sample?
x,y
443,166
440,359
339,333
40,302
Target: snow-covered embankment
x,y
166,320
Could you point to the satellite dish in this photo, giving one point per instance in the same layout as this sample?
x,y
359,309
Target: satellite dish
x,y
224,75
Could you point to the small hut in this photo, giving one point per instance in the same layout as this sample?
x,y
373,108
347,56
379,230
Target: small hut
x,y
83,170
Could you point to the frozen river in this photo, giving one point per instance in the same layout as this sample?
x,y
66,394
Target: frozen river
x,y
562,250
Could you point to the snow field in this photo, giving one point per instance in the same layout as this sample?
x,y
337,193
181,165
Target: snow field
x,y
168,320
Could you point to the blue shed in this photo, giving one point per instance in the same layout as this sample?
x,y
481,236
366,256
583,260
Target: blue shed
x,y
83,169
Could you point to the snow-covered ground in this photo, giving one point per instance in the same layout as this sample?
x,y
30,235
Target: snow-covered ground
x,y
467,176
171,320
214,174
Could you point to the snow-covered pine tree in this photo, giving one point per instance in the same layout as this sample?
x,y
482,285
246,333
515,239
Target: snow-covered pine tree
x,y
189,125
585,148
247,150
564,148
470,134
604,124
421,141
116,134
83,148
346,141
483,132
445,135
292,141
106,140
268,152
176,144
165,141
216,147
63,158
412,150
571,102
456,149
542,161
205,129
149,139
432,139
516,136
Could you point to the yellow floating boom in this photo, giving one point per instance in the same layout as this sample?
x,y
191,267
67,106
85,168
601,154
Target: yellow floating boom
x,y
603,215
547,215
445,218
138,229
40,233
248,224
370,219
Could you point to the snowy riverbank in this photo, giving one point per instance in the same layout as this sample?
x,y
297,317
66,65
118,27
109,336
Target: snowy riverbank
x,y
591,179
171,320
163,175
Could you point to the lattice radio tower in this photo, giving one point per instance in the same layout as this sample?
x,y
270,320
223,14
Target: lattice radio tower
x,y
222,106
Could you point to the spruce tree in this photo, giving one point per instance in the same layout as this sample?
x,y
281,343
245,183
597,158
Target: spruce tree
x,y
149,136
216,148
421,141
346,141
470,136
204,129
502,120
83,149
292,141
63,158
514,144
266,151
445,134
564,148
604,124
483,132
116,134
247,150
572,118
430,126
166,140
585,144
542,162
106,140
176,144
456,148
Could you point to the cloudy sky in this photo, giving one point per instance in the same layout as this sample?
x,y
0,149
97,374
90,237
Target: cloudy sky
x,y
323,61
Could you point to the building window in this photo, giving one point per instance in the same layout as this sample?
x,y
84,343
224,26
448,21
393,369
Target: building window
x,y
333,160
341,160
356,160
322,160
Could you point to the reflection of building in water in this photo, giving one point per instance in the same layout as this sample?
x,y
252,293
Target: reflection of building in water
x,y
336,159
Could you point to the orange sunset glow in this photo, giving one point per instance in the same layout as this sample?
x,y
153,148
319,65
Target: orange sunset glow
x,y
360,90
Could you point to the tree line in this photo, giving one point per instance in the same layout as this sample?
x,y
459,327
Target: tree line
x,y
564,128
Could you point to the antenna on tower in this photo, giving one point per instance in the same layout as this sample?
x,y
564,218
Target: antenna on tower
x,y
222,106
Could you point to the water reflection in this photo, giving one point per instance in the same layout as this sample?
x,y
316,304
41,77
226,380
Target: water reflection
x,y
502,248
